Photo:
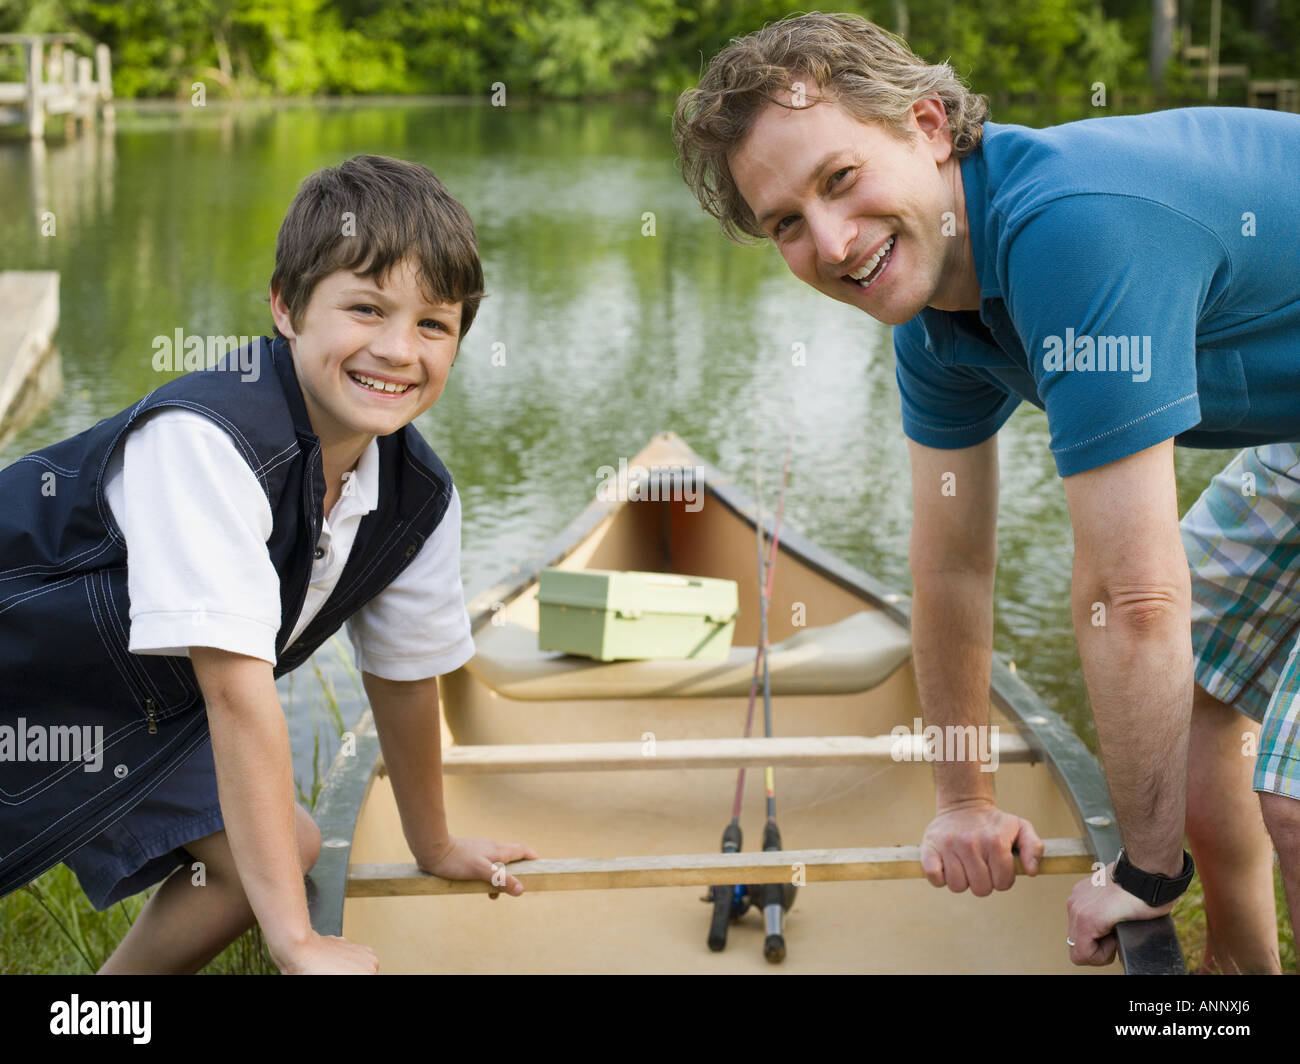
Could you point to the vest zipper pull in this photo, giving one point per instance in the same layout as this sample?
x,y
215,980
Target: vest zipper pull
x,y
149,712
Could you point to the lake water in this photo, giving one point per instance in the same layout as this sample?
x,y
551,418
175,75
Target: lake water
x,y
609,335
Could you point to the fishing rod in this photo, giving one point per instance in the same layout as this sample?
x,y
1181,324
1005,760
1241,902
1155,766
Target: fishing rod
x,y
731,902
775,898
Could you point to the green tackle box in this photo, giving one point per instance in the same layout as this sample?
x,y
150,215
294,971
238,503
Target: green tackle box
x,y
609,615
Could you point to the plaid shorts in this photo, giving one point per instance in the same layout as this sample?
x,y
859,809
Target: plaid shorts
x,y
1242,539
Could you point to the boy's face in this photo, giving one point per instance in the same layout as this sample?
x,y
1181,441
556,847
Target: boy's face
x,y
358,340
832,191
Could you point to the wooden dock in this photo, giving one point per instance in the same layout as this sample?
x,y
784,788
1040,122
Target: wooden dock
x,y
1280,95
60,83
29,314
1203,59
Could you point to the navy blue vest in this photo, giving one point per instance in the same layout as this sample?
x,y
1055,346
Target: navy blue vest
x,y
64,620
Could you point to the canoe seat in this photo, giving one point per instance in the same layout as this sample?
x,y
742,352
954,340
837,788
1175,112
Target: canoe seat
x,y
854,654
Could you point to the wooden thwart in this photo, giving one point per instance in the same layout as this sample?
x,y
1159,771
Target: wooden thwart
x,y
1060,857
812,752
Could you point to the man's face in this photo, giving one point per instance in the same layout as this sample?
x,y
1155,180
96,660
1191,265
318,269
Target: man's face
x,y
834,193
358,340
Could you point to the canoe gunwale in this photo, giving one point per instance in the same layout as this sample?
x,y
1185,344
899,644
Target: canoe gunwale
x,y
338,806
1145,948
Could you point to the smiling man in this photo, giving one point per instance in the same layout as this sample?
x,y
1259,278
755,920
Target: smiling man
x,y
1136,279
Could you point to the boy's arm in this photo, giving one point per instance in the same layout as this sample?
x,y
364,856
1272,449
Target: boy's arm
x,y
250,746
408,720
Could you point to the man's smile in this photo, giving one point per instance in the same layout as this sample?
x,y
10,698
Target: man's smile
x,y
874,266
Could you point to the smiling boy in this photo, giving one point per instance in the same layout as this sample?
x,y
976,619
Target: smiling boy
x,y
164,567
989,247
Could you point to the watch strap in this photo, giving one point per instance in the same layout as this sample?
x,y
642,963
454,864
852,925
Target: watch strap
x,y
1154,888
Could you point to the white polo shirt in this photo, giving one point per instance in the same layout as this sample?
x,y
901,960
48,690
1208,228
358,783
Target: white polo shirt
x,y
196,522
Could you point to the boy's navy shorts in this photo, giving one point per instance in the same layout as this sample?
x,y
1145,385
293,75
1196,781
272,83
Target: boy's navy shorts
x,y
146,845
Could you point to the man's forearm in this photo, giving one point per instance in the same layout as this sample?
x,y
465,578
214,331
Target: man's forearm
x,y
952,650
1138,667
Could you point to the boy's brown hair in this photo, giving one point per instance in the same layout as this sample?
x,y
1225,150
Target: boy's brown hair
x,y
399,210
871,73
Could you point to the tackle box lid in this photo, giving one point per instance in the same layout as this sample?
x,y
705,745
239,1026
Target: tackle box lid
x,y
631,594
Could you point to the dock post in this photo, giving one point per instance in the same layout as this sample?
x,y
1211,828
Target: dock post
x,y
104,71
69,88
35,88
86,94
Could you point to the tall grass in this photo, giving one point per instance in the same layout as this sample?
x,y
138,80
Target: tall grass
x,y
48,927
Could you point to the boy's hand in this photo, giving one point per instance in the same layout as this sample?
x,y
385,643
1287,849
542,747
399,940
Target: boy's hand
x,y
480,859
327,955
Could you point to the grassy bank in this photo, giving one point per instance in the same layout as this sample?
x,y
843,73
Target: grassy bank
x,y
49,927
1189,919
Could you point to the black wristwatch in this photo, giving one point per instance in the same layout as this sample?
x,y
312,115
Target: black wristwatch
x,y
1152,887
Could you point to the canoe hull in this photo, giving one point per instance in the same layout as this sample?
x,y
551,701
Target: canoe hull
x,y
895,926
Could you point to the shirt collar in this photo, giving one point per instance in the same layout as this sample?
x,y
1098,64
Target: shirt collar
x,y
980,218
364,495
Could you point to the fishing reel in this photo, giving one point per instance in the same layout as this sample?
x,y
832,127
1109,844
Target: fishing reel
x,y
732,902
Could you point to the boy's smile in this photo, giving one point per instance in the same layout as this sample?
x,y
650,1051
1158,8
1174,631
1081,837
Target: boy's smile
x,y
859,214
369,359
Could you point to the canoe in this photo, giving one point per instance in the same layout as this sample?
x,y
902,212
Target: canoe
x,y
621,776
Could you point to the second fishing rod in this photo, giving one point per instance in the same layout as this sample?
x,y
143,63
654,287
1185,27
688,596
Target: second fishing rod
x,y
731,902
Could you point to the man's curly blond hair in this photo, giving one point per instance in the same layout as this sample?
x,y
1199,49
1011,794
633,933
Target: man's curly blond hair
x,y
870,72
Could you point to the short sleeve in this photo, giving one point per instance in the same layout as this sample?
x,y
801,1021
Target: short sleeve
x,y
196,521
1105,292
944,406
418,626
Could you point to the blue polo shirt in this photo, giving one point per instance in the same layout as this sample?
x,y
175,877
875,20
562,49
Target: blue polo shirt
x,y
1139,280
